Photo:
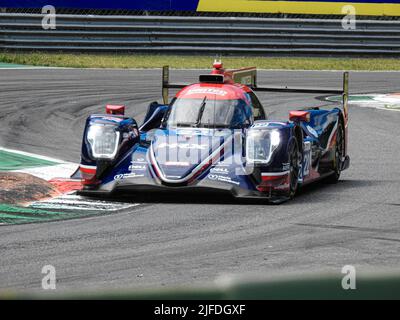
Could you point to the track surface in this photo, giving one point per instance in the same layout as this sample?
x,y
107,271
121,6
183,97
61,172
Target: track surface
x,y
194,240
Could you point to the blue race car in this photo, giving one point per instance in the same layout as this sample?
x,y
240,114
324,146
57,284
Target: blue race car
x,y
214,136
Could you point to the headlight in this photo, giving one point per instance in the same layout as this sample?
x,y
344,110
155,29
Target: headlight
x,y
103,140
261,144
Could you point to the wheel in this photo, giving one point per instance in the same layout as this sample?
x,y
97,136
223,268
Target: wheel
x,y
294,167
339,153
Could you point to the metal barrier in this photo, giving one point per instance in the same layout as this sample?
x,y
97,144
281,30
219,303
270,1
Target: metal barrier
x,y
195,35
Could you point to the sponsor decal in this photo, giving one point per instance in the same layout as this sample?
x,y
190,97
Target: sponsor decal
x,y
183,146
139,167
128,175
133,175
260,125
267,124
219,170
114,119
218,92
216,177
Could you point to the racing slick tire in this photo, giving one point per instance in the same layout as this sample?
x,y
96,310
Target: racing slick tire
x,y
294,168
339,153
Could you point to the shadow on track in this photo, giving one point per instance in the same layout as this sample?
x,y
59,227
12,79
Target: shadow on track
x,y
316,192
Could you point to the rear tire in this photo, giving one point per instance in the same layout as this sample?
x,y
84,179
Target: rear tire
x,y
339,154
294,168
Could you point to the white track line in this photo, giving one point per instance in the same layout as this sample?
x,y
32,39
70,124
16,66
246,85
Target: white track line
x,y
33,155
64,171
61,169
75,202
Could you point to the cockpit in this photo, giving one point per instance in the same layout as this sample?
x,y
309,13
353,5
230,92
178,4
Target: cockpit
x,y
209,113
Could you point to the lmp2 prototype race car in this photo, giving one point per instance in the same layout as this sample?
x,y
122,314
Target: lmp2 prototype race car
x,y
214,136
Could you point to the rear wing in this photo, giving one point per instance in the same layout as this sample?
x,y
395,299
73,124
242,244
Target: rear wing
x,y
248,76
344,92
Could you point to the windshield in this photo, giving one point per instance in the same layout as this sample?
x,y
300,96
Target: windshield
x,y
208,113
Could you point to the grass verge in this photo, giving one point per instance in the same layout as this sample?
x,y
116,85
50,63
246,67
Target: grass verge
x,y
196,62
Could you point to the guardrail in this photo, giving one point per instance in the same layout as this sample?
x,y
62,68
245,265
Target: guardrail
x,y
192,35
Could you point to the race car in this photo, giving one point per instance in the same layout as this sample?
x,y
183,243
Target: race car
x,y
214,136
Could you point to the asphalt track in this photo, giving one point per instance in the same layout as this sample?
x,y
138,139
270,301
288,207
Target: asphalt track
x,y
184,241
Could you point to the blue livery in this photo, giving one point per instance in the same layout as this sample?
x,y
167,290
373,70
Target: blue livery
x,y
214,137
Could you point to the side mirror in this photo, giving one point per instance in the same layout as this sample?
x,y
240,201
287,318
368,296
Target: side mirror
x,y
115,109
299,116
154,116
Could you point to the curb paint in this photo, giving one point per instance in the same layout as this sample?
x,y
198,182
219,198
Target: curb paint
x,y
68,205
388,101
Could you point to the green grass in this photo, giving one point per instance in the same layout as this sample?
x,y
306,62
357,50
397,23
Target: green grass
x,y
200,62
14,161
